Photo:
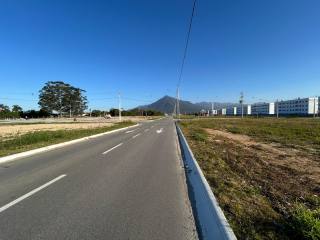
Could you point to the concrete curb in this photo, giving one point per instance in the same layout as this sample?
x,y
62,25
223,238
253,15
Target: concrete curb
x,y
211,221
55,146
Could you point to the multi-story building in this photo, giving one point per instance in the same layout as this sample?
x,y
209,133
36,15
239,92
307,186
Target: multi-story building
x,y
222,111
300,106
213,112
231,111
263,109
246,110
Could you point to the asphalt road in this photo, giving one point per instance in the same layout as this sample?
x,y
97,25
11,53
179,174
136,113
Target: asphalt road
x,y
126,185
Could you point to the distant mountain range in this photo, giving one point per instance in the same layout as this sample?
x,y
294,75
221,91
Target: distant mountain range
x,y
167,104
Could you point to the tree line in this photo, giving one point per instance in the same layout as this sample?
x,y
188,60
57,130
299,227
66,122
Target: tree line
x,y
57,98
134,112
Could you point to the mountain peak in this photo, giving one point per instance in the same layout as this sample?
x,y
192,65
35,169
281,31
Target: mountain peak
x,y
167,104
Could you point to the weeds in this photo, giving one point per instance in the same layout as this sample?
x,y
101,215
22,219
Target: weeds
x,y
258,193
305,223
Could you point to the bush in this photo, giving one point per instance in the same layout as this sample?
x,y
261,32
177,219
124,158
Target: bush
x,y
305,223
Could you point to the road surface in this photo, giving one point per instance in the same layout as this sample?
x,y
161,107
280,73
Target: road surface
x,y
126,185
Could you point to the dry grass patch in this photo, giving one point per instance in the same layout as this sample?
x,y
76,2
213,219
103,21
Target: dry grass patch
x,y
258,182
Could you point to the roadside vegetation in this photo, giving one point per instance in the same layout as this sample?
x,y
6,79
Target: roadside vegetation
x,y
19,143
265,173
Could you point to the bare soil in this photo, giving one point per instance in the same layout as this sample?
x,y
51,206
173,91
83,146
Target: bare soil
x,y
20,127
13,130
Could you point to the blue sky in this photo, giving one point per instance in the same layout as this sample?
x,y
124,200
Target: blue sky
x,y
268,49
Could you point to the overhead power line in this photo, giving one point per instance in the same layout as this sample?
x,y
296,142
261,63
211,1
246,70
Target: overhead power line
x,y
184,58
187,43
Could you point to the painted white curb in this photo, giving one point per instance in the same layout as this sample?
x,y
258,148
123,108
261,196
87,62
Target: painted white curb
x,y
211,220
55,146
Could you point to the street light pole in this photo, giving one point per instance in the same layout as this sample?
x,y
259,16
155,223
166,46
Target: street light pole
x,y
241,102
178,103
314,107
277,107
119,106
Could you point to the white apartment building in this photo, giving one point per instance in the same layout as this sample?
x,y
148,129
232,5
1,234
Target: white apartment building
x,y
222,111
231,111
214,112
300,106
246,110
263,109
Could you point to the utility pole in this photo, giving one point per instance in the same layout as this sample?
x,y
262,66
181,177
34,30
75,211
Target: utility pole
x,y
212,108
314,107
175,109
241,102
277,108
119,96
178,103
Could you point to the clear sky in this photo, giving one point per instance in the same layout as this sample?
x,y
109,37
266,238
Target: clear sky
x,y
267,48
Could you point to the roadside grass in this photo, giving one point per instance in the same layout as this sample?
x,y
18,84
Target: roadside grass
x,y
290,132
183,116
305,223
33,123
33,140
260,200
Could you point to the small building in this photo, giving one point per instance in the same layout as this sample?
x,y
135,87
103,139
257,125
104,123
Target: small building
x,y
263,109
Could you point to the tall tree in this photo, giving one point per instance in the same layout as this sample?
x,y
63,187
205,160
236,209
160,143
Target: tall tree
x,y
62,97
16,108
4,108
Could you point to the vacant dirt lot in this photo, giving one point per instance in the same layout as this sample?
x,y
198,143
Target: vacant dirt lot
x,y
13,128
293,159
261,170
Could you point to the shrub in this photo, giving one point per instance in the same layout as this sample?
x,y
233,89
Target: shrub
x,y
305,223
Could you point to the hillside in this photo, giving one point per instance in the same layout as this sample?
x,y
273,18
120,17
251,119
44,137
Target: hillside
x,y
166,104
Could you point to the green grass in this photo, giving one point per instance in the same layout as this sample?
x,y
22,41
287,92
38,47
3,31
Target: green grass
x,y
305,223
39,139
294,132
40,122
258,198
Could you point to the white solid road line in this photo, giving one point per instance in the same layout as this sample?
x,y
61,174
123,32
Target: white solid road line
x,y
136,135
5,207
112,148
